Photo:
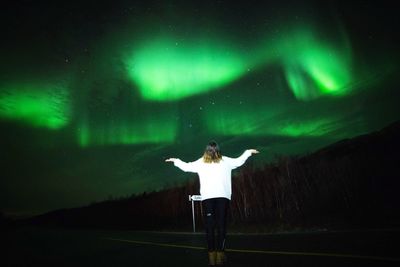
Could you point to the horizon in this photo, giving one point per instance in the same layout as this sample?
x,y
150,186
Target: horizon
x,y
23,215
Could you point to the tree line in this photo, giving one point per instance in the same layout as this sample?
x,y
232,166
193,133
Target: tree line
x,y
350,184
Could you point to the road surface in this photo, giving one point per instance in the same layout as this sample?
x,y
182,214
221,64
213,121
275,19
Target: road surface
x,y
66,247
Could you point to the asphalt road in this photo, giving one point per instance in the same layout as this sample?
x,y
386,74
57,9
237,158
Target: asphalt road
x,y
63,247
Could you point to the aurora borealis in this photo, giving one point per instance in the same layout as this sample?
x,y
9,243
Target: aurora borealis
x,y
37,105
93,98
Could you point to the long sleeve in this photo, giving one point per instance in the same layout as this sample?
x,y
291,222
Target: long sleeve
x,y
239,161
186,166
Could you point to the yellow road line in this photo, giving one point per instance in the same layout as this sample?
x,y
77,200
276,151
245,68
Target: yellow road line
x,y
292,253
157,244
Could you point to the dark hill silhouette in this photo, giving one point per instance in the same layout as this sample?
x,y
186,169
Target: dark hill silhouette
x,y
350,184
382,141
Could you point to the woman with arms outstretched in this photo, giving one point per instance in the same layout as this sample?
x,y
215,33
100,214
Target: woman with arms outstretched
x,y
214,172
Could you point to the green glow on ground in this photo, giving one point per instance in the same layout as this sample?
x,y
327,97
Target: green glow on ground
x,y
165,70
45,106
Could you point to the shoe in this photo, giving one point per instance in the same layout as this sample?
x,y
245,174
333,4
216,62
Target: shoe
x,y
212,258
221,258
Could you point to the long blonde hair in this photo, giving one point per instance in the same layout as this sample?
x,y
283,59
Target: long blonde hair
x,y
212,153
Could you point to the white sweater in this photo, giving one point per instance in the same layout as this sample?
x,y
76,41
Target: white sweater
x,y
215,178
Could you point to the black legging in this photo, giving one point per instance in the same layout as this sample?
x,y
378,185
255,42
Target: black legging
x,y
215,212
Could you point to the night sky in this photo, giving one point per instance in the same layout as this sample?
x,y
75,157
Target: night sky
x,y
94,96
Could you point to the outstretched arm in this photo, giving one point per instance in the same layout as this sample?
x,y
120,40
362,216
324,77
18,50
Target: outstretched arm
x,y
253,151
237,162
184,166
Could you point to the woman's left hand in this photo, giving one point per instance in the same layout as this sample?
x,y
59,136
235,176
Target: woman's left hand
x,y
253,151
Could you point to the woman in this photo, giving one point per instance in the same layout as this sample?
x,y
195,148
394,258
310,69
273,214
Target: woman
x,y
214,172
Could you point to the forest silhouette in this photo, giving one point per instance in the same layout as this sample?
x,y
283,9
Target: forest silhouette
x,y
350,184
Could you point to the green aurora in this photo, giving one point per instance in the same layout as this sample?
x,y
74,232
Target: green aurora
x,y
36,104
123,92
165,69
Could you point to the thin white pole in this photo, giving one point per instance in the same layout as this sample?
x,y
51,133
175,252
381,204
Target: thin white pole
x,y
193,218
